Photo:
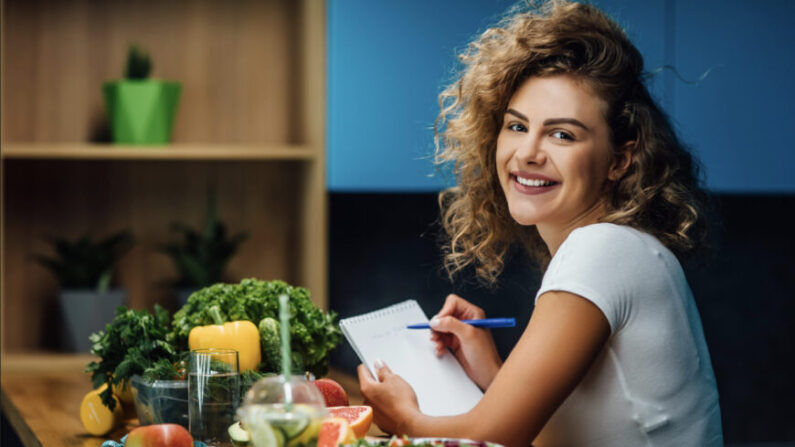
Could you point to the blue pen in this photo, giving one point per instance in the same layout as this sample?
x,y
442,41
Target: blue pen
x,y
486,322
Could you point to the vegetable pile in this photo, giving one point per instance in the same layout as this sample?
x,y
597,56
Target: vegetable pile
x,y
137,342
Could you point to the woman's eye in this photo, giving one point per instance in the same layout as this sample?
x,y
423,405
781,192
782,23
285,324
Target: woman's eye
x,y
561,135
517,127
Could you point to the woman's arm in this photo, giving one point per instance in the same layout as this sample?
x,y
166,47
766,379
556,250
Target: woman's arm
x,y
565,334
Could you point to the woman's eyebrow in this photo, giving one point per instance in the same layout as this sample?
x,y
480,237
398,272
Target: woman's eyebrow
x,y
573,121
550,121
516,114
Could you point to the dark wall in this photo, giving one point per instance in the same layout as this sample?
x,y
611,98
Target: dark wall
x,y
384,249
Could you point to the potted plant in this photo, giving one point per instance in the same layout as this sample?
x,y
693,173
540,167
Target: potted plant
x,y
200,257
140,110
84,269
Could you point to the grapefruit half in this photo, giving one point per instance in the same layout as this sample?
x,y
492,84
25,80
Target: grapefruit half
x,y
333,432
359,417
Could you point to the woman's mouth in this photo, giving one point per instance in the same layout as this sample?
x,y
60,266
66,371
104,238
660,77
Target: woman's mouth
x,y
533,185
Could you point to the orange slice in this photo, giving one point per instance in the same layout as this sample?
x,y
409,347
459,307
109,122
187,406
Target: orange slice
x,y
359,417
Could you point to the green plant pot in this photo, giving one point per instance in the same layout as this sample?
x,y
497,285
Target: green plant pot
x,y
141,112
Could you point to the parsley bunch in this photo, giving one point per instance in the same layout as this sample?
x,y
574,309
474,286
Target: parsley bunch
x,y
133,343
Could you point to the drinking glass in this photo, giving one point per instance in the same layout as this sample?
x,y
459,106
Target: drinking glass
x,y
213,394
279,412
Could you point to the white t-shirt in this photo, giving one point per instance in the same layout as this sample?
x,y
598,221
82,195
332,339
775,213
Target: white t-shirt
x,y
652,384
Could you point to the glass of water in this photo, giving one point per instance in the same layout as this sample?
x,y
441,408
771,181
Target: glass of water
x,y
213,394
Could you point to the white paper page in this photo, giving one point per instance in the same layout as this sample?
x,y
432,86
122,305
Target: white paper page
x,y
441,384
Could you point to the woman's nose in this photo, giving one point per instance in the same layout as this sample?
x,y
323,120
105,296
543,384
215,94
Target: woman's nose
x,y
530,151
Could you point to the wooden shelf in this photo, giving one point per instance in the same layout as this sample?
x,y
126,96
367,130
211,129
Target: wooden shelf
x,y
251,125
179,151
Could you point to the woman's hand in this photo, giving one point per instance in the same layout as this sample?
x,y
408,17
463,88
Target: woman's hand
x,y
392,398
473,347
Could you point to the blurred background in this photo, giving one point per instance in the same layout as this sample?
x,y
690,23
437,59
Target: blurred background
x,y
307,127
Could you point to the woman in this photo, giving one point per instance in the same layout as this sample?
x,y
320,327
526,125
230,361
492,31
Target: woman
x,y
558,146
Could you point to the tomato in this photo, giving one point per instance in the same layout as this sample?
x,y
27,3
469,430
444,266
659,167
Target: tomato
x,y
182,370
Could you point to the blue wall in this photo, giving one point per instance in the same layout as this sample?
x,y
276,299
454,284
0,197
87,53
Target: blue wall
x,y
740,119
387,64
388,61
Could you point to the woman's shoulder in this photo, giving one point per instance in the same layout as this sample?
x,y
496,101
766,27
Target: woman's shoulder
x,y
606,239
618,251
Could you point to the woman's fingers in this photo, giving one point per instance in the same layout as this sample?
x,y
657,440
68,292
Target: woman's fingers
x,y
452,325
364,375
381,369
443,341
460,308
451,304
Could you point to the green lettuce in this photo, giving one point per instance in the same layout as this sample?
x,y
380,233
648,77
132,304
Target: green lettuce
x,y
313,333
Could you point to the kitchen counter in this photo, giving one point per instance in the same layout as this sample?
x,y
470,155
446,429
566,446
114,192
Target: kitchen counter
x,y
41,395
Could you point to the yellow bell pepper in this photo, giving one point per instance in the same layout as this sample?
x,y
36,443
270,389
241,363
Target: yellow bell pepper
x,y
242,336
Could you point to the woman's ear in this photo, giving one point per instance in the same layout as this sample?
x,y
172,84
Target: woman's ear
x,y
622,161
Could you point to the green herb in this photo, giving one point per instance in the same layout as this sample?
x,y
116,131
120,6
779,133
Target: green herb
x,y
201,257
138,63
134,343
165,369
84,263
313,333
249,378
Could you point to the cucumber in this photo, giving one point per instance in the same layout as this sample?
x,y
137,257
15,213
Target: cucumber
x,y
279,434
293,428
239,435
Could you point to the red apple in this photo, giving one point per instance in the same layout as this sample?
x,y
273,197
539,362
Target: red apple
x,y
333,393
159,435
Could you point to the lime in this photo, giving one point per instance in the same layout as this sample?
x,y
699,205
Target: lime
x,y
239,435
292,427
309,434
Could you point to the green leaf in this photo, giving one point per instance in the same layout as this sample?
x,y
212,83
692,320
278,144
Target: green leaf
x,y
139,65
132,343
201,257
314,333
83,263
104,281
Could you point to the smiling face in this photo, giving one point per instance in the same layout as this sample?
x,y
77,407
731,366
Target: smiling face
x,y
553,154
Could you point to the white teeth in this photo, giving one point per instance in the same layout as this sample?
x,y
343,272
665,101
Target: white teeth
x,y
532,182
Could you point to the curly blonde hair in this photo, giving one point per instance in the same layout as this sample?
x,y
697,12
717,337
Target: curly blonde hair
x,y
659,193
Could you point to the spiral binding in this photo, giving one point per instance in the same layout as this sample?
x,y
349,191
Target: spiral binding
x,y
395,308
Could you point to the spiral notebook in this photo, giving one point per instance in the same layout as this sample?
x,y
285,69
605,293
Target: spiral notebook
x,y
441,385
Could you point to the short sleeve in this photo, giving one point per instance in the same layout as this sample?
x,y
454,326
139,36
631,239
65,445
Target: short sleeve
x,y
603,263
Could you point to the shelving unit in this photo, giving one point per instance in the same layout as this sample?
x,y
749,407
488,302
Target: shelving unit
x,y
220,152
250,125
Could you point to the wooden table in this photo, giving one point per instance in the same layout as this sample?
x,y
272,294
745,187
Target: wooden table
x,y
41,397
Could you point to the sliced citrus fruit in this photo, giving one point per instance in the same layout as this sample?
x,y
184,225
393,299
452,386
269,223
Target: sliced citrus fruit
x,y
333,432
359,417
239,435
309,434
263,435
